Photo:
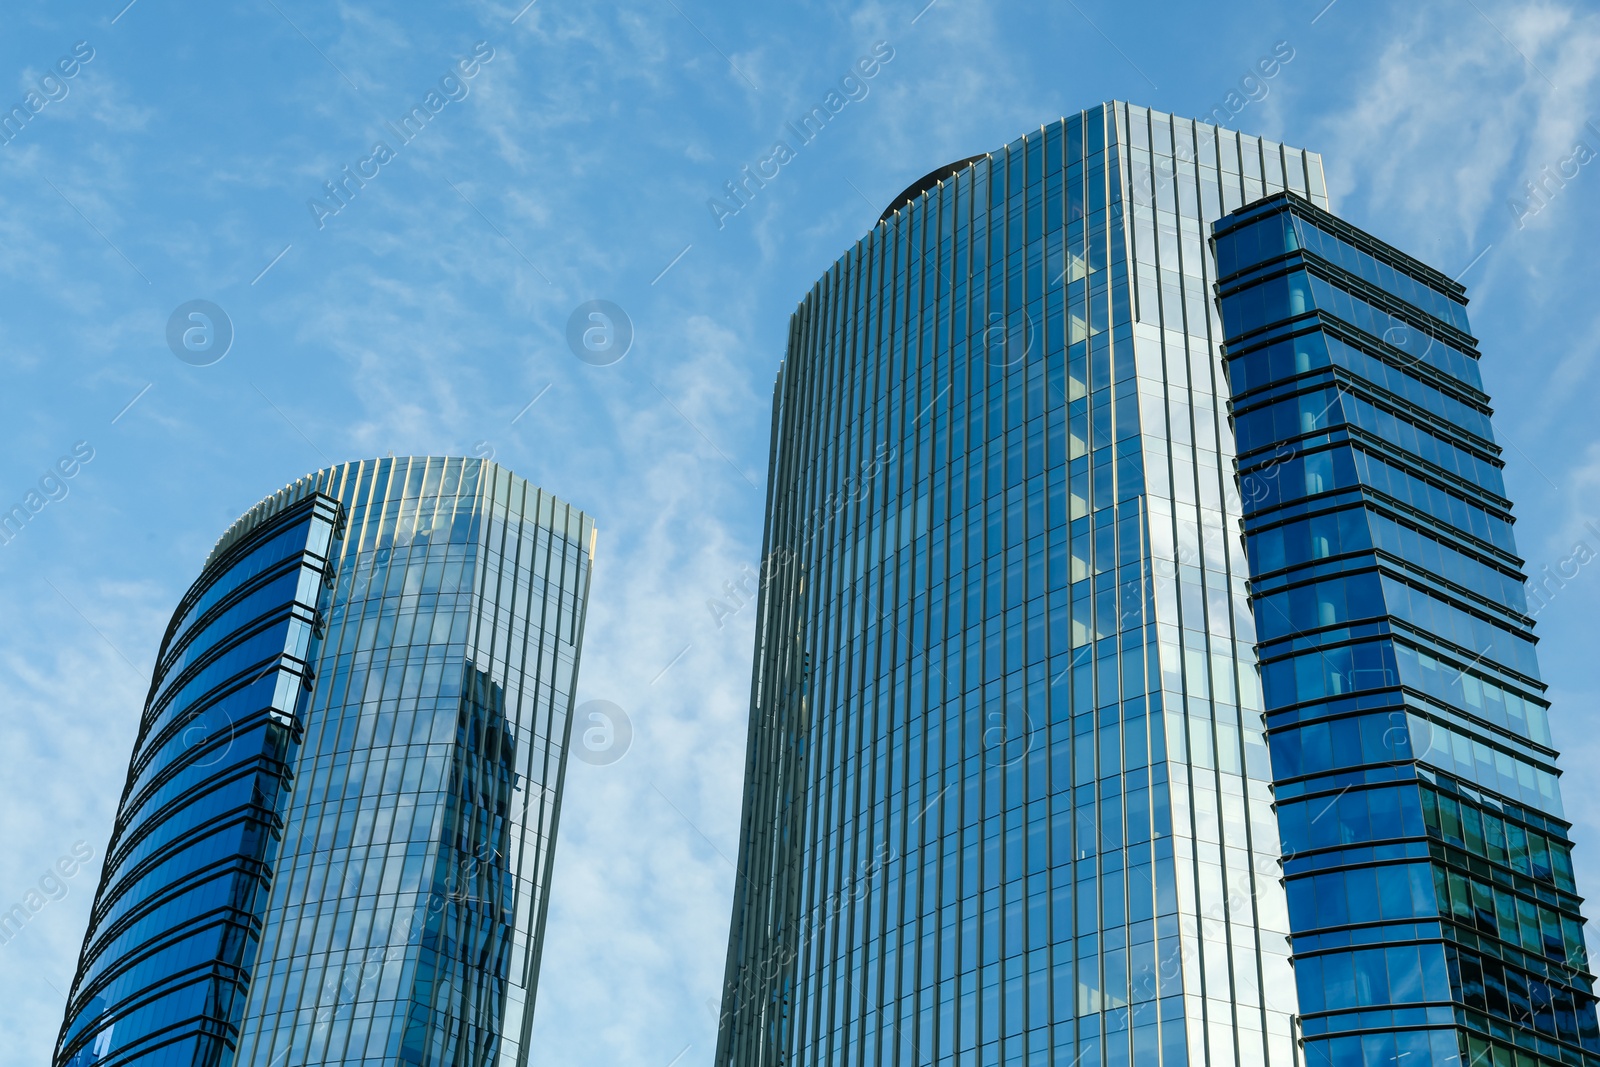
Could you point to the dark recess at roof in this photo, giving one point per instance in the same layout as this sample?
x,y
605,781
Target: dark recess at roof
x,y
926,182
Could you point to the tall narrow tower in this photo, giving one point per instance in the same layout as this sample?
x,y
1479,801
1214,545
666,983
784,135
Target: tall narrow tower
x,y
1427,855
337,831
1007,793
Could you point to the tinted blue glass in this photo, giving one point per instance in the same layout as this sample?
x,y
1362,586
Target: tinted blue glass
x,y
1401,683
166,958
1006,754
384,827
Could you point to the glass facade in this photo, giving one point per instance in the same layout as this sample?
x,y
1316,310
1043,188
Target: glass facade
x,y
1427,861
1007,792
175,928
338,828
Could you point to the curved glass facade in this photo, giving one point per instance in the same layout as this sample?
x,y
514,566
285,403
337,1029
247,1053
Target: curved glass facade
x,y
399,901
1007,794
175,926
1428,864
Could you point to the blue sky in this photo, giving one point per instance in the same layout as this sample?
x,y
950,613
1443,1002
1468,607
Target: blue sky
x,y
178,163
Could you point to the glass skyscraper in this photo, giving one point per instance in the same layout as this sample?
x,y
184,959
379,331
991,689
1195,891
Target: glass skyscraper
x,y
1427,858
1007,796
337,832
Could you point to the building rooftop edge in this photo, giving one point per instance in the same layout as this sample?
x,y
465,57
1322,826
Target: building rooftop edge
x,y
1294,203
933,178
305,486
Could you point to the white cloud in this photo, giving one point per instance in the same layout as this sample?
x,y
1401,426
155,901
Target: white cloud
x,y
411,325
1448,114
67,732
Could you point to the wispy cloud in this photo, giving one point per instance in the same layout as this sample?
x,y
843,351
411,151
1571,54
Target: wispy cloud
x,y
409,325
1449,114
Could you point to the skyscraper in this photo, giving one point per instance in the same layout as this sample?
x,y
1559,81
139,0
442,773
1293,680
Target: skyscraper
x,y
1428,862
337,831
1007,793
